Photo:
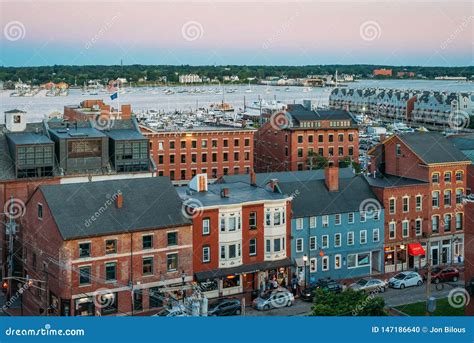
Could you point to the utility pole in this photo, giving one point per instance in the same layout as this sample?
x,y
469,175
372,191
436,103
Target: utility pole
x,y
11,232
428,277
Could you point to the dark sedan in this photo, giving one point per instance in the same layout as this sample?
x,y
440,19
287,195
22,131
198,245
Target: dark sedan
x,y
225,307
307,294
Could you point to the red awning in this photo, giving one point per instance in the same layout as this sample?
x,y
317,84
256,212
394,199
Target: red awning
x,y
415,249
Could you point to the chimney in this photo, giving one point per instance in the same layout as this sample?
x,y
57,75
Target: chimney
x,y
273,183
332,178
253,178
225,192
119,200
382,137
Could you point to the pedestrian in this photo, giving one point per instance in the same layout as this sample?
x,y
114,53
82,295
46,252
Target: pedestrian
x,y
294,284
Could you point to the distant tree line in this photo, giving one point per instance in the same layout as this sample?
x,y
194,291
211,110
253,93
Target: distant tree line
x,y
170,73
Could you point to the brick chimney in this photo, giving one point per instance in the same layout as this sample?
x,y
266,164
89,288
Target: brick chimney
x,y
119,200
332,178
253,178
273,184
225,192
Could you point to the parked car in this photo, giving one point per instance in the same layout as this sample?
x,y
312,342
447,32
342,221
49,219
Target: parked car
x,y
369,285
273,299
178,311
405,279
444,274
225,307
307,294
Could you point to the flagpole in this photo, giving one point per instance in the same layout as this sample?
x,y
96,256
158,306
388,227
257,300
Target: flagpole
x,y
118,100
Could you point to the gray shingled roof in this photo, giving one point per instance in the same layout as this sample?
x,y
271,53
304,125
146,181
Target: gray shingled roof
x,y
147,203
300,113
289,176
312,198
239,192
433,147
392,181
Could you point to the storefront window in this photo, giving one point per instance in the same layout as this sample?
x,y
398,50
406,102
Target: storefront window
x,y
109,303
84,307
231,281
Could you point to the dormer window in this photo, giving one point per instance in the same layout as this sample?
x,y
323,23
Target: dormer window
x,y
16,119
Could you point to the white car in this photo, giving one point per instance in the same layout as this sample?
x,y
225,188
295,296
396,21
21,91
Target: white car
x,y
405,279
274,299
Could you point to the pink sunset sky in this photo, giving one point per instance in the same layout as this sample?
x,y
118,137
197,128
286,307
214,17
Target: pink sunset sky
x,y
237,32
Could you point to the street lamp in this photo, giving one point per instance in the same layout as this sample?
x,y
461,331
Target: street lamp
x,y
305,260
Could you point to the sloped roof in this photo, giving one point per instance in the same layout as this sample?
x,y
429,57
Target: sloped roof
x,y
148,203
433,147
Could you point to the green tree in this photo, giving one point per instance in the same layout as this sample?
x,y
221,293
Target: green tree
x,y
347,303
316,161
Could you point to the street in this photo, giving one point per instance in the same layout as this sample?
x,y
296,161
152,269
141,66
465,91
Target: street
x,y
393,297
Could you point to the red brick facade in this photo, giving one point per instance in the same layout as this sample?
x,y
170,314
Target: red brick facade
x,y
55,264
215,152
288,149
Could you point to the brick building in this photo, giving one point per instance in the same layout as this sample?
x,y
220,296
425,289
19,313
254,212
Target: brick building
x,y
382,72
292,140
421,180
96,110
241,235
118,247
214,151
53,152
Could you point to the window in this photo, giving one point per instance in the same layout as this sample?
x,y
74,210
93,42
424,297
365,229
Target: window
x,y
392,230
172,238
405,204
84,275
247,142
325,265
320,138
299,244
300,139
376,235
331,138
225,142
418,226
459,176
253,220
392,205
253,247
310,138
111,271
337,219
206,254
418,203
435,199
171,144
312,243
447,198
84,250
459,196
268,245
299,223
405,225
236,142
325,241
435,224
363,237
325,221
459,221
447,177
194,144
350,238
362,216
172,262
313,265
276,245
337,261
183,144
40,211
110,246
147,241
350,218
435,178
147,266
447,222
398,150
312,222
204,143
340,137
337,240
206,226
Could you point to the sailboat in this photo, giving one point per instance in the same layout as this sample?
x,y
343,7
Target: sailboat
x,y
248,90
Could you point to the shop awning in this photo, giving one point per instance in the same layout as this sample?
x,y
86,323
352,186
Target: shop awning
x,y
415,249
247,268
